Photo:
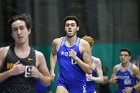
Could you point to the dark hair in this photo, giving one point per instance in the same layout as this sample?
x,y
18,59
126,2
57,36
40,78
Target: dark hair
x,y
127,50
25,17
72,18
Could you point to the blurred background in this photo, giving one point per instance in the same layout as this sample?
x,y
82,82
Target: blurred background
x,y
114,24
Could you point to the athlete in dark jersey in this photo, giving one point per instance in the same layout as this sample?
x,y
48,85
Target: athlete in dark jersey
x,y
18,84
20,65
125,75
74,59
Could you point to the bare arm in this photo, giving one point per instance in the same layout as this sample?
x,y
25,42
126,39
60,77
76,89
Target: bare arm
x,y
137,74
99,78
53,57
41,72
113,78
87,64
4,75
16,68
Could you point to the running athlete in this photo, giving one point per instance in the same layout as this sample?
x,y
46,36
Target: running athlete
x,y
126,74
20,64
74,59
97,73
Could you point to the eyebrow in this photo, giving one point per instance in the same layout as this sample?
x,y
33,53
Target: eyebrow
x,y
124,54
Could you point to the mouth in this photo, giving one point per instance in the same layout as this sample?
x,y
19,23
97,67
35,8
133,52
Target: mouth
x,y
20,37
69,30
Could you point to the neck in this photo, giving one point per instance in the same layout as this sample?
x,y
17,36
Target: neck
x,y
23,47
71,40
22,50
125,64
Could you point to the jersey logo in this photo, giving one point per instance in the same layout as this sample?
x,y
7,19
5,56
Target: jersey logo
x,y
127,81
29,59
64,53
9,65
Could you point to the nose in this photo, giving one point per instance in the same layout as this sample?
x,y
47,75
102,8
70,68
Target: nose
x,y
123,56
70,27
18,31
